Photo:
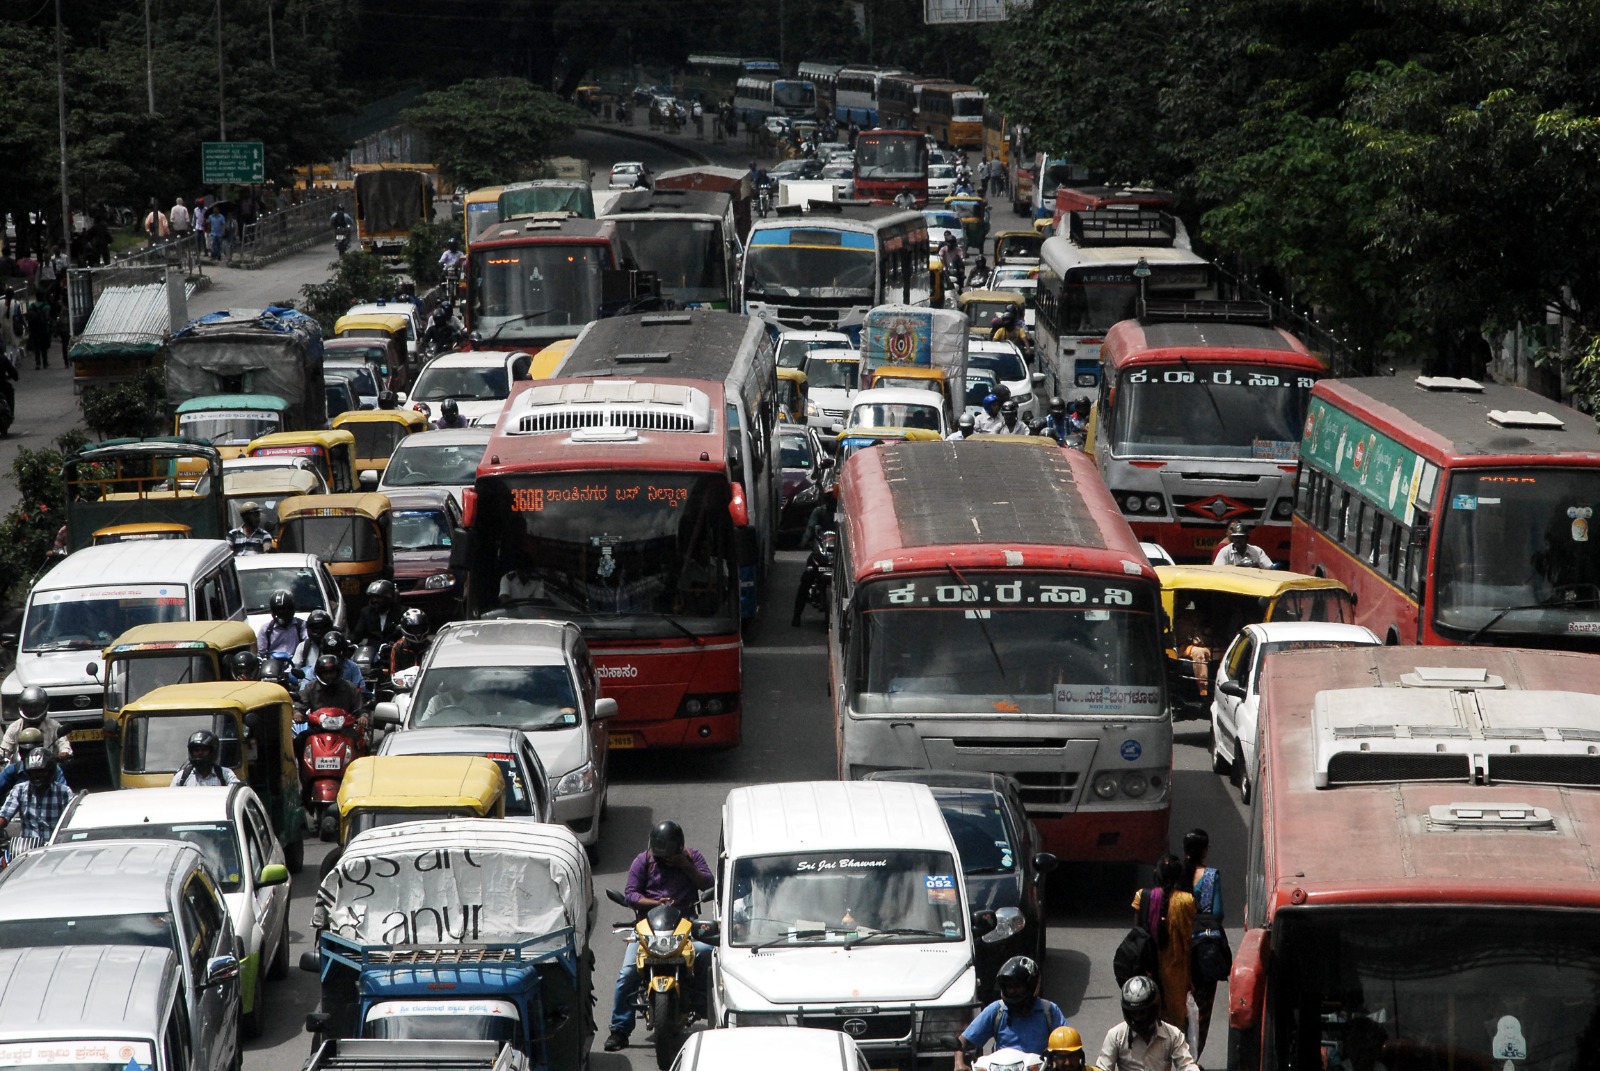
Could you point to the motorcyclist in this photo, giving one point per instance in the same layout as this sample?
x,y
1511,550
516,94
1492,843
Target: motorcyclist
x,y
202,769
335,644
1007,327
283,631
978,273
1020,1019
318,624
989,423
387,399
450,415
37,801
1065,1050
380,618
341,221
905,199
954,264
15,770
33,707
441,332
328,688
666,872
244,666
450,260
1142,1041
1009,423
818,565
1238,550
966,427
249,537
413,642
1057,424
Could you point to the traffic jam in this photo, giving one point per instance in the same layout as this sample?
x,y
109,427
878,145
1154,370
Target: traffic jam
x,y
400,595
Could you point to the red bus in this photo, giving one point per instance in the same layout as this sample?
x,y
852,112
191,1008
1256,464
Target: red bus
x,y
534,281
614,498
1198,423
1455,511
889,163
993,612
1422,890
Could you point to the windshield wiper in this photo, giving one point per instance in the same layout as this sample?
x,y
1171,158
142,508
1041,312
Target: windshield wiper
x,y
1184,361
998,664
519,319
681,627
1562,598
65,645
893,931
794,935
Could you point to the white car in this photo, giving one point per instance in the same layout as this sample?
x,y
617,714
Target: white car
x,y
1010,368
447,458
794,345
897,407
843,177
479,381
302,575
1235,699
1156,554
625,174
941,181
232,830
832,379
532,675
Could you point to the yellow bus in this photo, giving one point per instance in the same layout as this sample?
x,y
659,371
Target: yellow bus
x,y
479,209
953,114
995,143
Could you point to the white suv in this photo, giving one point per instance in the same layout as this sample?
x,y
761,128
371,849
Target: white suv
x,y
536,676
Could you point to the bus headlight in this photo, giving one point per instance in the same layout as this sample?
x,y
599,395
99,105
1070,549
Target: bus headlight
x,y
1105,786
1132,504
1133,784
1152,503
1284,507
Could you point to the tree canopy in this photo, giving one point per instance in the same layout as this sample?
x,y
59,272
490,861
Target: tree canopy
x,y
487,131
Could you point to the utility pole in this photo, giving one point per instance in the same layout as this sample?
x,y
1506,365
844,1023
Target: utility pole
x,y
66,200
149,58
272,46
222,117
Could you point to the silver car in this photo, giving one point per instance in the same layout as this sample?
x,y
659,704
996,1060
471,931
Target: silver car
x,y
447,459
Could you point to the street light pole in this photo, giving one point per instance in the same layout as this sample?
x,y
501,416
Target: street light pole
x,y
222,117
66,199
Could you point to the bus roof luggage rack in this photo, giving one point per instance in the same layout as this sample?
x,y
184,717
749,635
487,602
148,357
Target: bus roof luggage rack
x,y
1449,383
598,409
1449,725
1522,418
1118,226
1216,312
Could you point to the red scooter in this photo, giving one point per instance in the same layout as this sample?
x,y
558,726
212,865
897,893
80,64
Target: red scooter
x,y
334,740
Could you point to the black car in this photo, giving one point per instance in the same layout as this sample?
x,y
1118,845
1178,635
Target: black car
x,y
799,454
999,856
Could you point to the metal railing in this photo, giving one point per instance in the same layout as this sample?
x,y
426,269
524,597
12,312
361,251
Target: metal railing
x,y
272,235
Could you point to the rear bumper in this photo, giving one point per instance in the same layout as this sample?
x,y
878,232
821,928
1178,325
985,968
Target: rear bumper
x,y
1106,836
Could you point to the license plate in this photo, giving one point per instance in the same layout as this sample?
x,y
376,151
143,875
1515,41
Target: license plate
x,y
326,762
622,740
87,734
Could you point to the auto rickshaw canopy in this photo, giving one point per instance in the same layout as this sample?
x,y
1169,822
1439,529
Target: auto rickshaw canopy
x,y
434,786
332,449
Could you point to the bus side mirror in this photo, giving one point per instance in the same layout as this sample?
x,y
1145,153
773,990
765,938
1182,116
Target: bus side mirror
x,y
1247,984
737,509
461,550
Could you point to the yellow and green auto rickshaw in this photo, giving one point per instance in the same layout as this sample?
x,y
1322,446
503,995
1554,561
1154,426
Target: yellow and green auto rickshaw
x,y
792,395
332,450
980,307
1017,247
380,790
974,213
377,433
350,533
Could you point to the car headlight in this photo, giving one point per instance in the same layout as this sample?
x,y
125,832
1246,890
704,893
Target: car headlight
x,y
579,780
1023,399
439,582
807,494
811,410
666,944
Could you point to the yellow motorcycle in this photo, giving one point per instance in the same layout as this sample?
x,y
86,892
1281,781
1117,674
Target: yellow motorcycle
x,y
664,954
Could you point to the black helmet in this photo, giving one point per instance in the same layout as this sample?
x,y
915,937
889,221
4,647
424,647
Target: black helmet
x,y
454,243
381,591
1139,995
449,407
318,622
387,399
1008,407
40,766
245,666
1058,405
329,668
33,703
414,623
203,738
333,642
666,838
282,605
966,423
1022,970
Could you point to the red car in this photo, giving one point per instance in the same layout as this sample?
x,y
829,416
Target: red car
x,y
426,523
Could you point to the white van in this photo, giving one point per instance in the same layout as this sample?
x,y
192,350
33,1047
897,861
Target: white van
x,y
95,595
843,907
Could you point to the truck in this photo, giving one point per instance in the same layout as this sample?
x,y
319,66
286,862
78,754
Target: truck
x,y
916,346
459,927
390,200
736,183
349,1054
273,354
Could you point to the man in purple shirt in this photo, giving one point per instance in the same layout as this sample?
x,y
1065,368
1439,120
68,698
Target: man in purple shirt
x,y
665,873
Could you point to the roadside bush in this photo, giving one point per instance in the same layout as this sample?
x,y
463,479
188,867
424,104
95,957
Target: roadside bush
x,y
27,535
356,278
134,408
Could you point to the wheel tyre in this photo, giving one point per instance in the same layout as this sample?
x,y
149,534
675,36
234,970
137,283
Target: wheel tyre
x,y
1219,765
278,969
250,1022
1241,775
668,1028
328,826
294,856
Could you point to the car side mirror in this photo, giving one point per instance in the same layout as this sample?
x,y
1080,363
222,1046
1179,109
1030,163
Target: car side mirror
x,y
8,641
605,708
1044,862
221,969
1038,378
368,478
112,728
1233,688
984,923
400,398
386,714
316,1022
272,874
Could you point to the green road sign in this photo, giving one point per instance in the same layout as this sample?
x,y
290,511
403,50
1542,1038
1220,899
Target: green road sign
x,y
240,162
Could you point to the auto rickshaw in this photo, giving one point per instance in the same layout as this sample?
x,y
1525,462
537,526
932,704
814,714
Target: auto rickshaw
x,y
332,450
393,329
852,440
135,533
380,790
1017,247
981,307
792,395
378,432
974,213
1207,605
254,724
350,533
548,361
266,488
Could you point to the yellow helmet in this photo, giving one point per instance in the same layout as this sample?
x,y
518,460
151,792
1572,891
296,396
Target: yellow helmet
x,y
1065,1039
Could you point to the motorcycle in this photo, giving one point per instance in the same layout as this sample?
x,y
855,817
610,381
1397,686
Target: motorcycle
x,y
665,957
333,741
16,847
817,580
1009,1060
341,240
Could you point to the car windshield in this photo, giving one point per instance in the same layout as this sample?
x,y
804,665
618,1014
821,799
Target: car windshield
x,y
127,678
1517,558
984,838
1005,364
233,427
420,529
978,388
351,538
688,255
148,929
1216,411
427,465
1042,643
895,415
833,375
465,384
216,841
536,292
259,585
792,351
887,896
530,698
88,619
360,376
794,452
809,271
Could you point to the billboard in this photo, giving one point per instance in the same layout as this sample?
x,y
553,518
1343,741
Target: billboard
x,y
948,12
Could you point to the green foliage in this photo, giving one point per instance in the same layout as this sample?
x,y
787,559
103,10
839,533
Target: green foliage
x,y
27,535
486,131
424,245
134,408
357,278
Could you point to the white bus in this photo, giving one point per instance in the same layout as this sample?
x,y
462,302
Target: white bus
x,y
856,95
825,76
757,96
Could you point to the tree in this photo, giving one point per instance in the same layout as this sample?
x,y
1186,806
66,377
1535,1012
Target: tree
x,y
491,130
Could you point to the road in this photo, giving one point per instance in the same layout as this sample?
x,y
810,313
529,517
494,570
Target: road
x,y
787,736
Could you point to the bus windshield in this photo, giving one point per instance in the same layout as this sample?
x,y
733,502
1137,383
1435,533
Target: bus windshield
x,y
1033,643
1218,411
618,548
786,271
794,94
536,291
687,254
884,156
1516,554
1434,986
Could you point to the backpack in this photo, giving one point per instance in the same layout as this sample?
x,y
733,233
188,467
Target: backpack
x,y
1139,951
1210,958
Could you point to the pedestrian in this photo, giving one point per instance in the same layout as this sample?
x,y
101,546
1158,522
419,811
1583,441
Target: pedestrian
x,y
38,321
8,265
156,225
1167,910
217,226
180,224
13,328
202,236
1206,888
51,269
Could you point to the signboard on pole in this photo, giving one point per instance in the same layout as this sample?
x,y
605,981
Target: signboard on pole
x,y
241,163
948,12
